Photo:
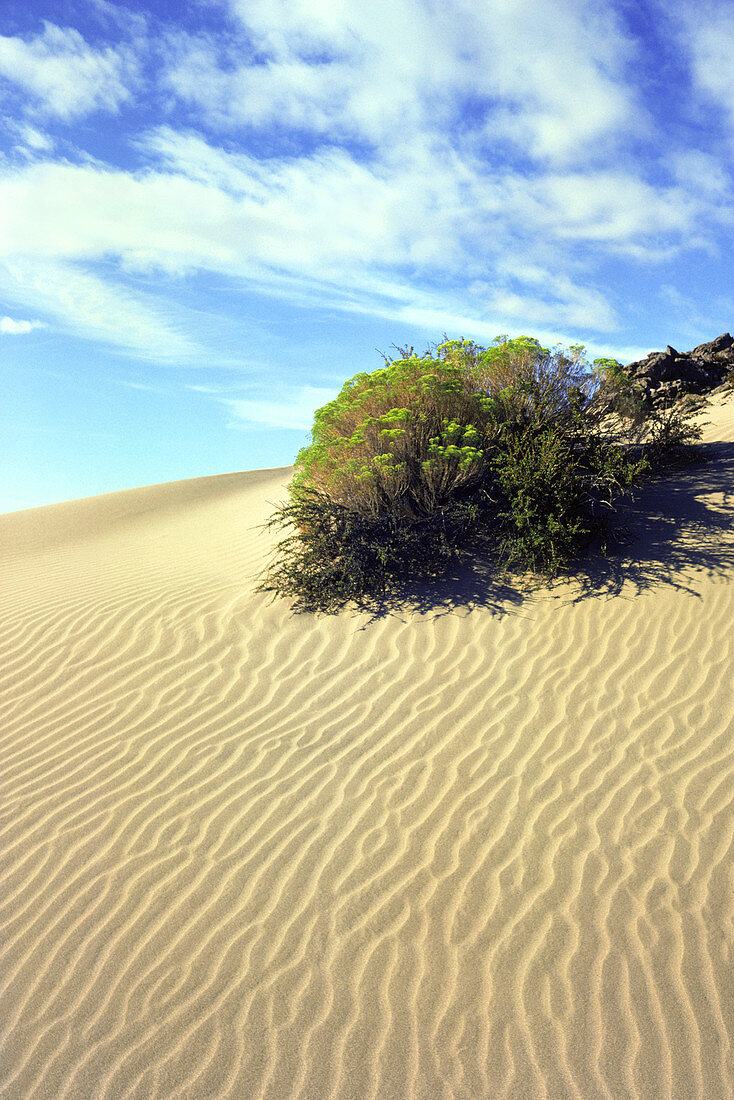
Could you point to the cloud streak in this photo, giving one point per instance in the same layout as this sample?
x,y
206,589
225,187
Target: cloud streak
x,y
89,306
483,155
548,79
63,76
11,327
290,407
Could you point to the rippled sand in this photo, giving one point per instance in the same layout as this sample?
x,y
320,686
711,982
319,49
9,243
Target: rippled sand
x,y
477,848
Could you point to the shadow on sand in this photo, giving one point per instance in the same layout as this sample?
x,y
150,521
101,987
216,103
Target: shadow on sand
x,y
677,524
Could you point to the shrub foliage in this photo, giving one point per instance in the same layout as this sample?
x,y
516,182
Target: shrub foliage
x,y
514,448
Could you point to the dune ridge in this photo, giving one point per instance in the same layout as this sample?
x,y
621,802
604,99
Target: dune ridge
x,y
477,848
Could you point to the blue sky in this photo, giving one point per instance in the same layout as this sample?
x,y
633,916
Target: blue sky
x,y
212,212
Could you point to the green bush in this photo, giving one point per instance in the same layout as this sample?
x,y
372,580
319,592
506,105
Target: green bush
x,y
407,437
333,555
421,429
514,448
668,438
557,496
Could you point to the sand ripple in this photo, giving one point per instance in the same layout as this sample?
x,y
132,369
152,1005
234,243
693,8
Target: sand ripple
x,y
483,854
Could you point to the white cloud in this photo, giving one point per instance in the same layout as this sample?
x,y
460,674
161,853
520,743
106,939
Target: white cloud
x,y
433,203
289,94
436,314
84,212
563,303
361,237
142,386
549,79
701,172
35,141
86,304
613,207
292,408
63,75
709,38
282,26
295,215
205,208
11,327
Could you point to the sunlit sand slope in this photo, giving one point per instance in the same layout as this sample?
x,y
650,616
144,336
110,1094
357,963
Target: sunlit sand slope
x,y
483,848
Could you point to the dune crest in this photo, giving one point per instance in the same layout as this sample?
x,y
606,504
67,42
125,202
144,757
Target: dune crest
x,y
482,850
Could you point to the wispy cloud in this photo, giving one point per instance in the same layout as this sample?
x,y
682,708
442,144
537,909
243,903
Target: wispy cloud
x,y
86,304
11,327
327,218
290,407
65,77
384,71
482,155
708,40
29,140
143,387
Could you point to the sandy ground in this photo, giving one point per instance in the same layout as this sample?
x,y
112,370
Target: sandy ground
x,y
481,847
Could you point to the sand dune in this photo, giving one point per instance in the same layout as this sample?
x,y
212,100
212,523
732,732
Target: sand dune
x,y
481,847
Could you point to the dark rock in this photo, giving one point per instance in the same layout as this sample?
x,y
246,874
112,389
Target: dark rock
x,y
664,376
719,348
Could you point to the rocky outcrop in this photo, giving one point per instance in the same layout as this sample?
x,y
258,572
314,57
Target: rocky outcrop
x,y
665,376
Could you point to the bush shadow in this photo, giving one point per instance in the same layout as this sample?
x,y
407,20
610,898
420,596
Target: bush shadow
x,y
677,524
473,584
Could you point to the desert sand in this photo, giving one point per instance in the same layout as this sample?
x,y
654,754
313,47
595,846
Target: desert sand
x,y
477,847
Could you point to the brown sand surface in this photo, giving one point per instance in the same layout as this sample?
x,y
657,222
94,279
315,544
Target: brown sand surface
x,y
481,847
